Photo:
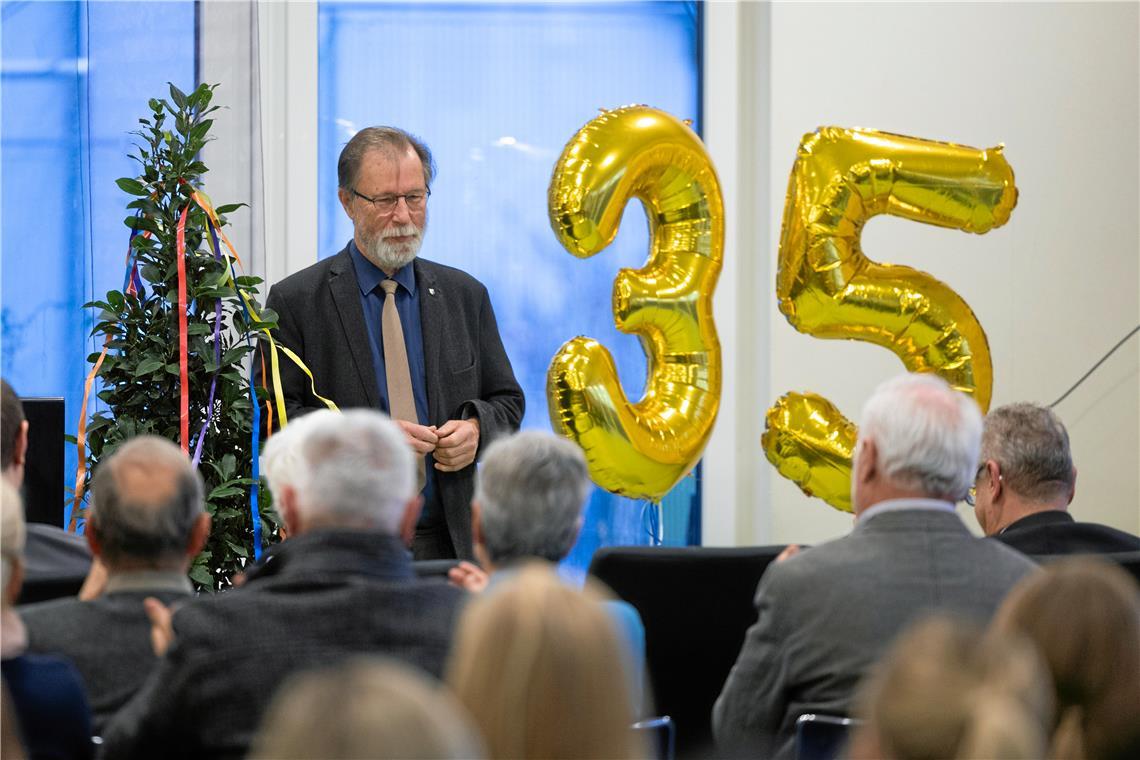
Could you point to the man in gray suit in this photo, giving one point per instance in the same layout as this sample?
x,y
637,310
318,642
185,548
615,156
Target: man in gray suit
x,y
827,613
341,585
146,525
448,382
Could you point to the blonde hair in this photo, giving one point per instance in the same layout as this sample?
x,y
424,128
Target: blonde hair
x,y
394,712
11,532
1084,616
539,666
944,690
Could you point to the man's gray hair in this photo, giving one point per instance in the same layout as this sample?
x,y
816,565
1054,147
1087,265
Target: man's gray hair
x,y
1032,448
390,140
146,498
926,433
361,471
531,489
281,461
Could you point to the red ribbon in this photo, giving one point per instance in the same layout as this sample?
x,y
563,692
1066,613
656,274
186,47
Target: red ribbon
x,y
183,369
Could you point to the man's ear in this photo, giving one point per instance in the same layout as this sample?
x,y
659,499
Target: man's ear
x,y
20,450
91,533
410,518
1072,488
198,535
476,523
290,512
996,484
345,200
867,462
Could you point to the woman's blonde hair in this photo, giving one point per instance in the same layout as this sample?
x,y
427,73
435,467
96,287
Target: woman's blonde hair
x,y
945,690
538,665
1084,616
365,707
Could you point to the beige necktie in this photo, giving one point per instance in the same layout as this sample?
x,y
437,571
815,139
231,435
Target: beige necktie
x,y
401,401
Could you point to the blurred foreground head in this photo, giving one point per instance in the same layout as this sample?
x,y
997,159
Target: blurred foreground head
x,y
11,543
1084,616
918,438
538,665
945,690
367,707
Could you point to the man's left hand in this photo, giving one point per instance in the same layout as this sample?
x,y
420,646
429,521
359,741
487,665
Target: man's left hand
x,y
458,442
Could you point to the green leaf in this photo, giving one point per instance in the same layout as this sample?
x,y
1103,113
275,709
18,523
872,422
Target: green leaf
x,y
230,208
201,575
223,492
146,366
228,466
132,186
177,96
237,549
199,130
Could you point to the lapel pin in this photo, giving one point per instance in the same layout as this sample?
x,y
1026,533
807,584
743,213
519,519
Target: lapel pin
x,y
431,291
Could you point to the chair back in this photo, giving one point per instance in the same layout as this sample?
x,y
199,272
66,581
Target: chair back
x,y
822,737
696,604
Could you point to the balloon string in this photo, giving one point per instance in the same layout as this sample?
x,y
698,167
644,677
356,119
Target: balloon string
x,y
1094,368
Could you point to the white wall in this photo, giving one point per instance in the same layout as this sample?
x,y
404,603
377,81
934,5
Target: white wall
x,y
1054,289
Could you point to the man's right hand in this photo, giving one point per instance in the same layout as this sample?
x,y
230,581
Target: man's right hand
x,y
420,437
468,576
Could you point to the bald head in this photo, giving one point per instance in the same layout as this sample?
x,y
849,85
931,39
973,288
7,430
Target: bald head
x,y
147,501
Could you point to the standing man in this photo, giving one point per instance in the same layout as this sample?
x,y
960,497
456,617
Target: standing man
x,y
380,328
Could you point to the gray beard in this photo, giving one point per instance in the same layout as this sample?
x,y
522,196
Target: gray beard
x,y
391,256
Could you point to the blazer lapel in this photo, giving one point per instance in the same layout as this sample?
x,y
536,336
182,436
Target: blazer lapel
x,y
431,324
346,296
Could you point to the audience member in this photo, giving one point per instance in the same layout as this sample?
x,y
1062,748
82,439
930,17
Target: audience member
x,y
146,524
946,691
1084,616
341,585
394,712
1023,488
281,462
46,693
52,555
539,667
827,613
530,492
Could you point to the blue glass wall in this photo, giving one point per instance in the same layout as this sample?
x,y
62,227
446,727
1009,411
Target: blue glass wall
x,y
75,79
496,91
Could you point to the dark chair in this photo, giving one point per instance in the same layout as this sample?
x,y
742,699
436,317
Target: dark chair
x,y
696,604
1129,561
822,737
660,734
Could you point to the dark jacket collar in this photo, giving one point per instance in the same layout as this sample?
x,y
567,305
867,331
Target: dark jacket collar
x,y
336,553
1037,519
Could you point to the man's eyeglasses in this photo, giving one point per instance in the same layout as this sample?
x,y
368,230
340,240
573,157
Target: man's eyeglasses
x,y
386,204
972,494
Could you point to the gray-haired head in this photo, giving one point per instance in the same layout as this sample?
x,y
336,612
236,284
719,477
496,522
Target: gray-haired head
x,y
146,498
926,434
531,488
361,472
1032,448
281,461
390,140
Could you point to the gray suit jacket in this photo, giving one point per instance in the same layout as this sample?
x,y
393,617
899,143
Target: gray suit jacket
x,y
325,596
827,614
107,638
467,370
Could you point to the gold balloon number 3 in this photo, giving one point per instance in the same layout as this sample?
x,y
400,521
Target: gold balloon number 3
x,y
642,449
828,288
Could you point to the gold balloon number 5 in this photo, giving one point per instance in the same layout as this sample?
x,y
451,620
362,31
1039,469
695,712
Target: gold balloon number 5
x,y
828,288
642,449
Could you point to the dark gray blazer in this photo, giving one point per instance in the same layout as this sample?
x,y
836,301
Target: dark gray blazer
x,y
107,639
467,370
325,596
827,614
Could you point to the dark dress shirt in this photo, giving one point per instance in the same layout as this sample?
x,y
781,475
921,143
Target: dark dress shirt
x,y
368,279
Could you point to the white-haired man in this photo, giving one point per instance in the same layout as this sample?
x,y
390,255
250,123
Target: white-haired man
x,y
828,613
341,585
